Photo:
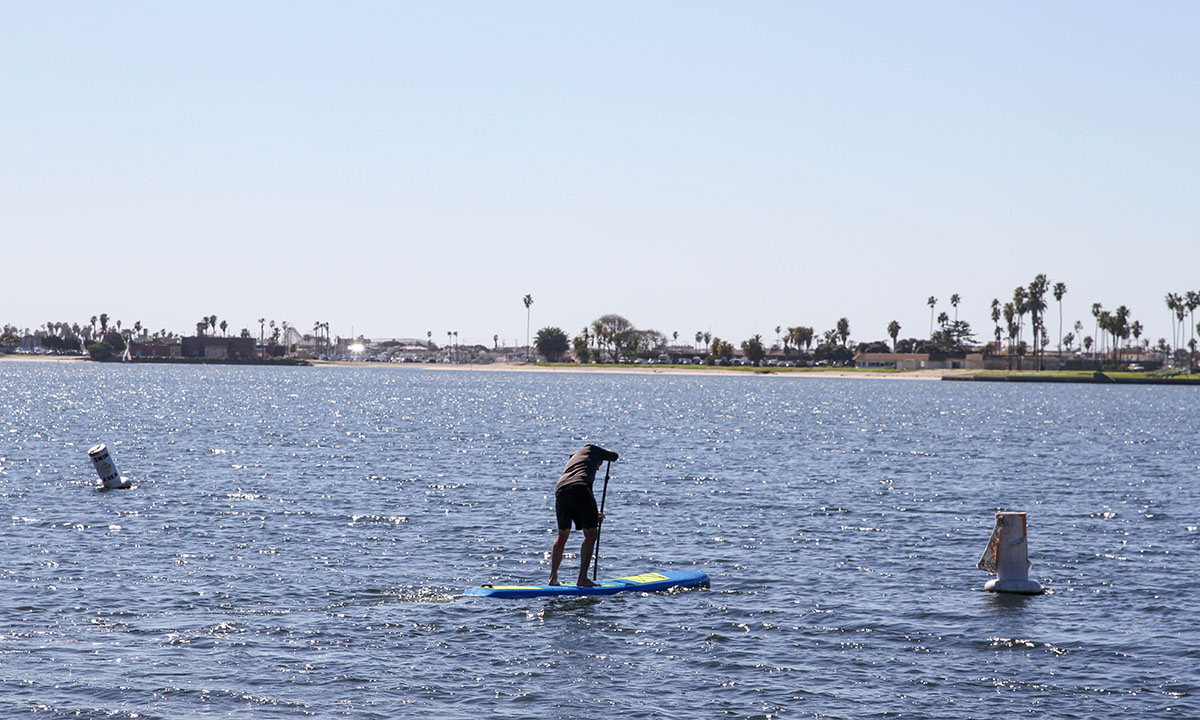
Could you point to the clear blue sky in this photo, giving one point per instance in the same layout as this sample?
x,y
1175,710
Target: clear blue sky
x,y
398,168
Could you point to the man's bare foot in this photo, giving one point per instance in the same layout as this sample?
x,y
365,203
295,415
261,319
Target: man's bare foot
x,y
584,582
553,581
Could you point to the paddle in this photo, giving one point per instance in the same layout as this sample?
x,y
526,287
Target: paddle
x,y
603,497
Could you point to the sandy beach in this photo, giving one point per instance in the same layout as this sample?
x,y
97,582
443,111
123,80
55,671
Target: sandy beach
x,y
25,357
766,372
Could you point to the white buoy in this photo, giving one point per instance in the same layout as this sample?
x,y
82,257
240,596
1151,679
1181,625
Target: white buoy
x,y
1007,555
106,468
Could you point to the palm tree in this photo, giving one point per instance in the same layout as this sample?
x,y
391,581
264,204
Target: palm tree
x,y
1013,325
496,342
600,338
1120,328
1174,303
843,330
224,327
1192,300
996,321
699,338
1096,310
931,302
528,300
893,331
1180,311
1060,289
955,300
1037,310
1020,307
450,344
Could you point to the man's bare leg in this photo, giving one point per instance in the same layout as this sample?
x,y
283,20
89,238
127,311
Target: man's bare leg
x,y
556,554
585,557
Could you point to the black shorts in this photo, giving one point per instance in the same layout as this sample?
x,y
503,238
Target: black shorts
x,y
576,503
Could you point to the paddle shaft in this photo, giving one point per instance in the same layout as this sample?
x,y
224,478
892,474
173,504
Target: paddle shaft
x,y
596,549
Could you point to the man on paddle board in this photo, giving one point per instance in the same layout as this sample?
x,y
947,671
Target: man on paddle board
x,y
575,502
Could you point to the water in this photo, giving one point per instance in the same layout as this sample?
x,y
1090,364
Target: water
x,y
299,538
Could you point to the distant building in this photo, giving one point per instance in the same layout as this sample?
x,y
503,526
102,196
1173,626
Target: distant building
x,y
154,350
920,361
219,348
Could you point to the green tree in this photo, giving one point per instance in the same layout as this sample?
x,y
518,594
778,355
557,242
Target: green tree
x,y
800,336
552,343
11,337
996,322
932,303
719,349
1060,290
1192,301
843,330
100,351
579,345
893,330
1037,310
1020,307
528,300
617,334
753,349
647,343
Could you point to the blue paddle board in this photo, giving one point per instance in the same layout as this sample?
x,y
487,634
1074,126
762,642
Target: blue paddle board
x,y
646,582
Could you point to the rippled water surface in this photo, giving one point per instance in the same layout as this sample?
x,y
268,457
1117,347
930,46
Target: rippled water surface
x,y
298,540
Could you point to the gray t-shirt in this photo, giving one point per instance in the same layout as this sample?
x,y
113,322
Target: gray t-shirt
x,y
582,466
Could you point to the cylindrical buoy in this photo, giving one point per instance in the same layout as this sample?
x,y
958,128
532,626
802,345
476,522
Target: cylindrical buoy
x,y
1007,555
106,468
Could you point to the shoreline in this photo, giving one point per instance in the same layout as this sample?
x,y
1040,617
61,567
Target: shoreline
x,y
929,375
697,370
591,369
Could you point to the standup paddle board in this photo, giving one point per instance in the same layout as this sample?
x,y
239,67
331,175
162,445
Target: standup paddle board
x,y
646,582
